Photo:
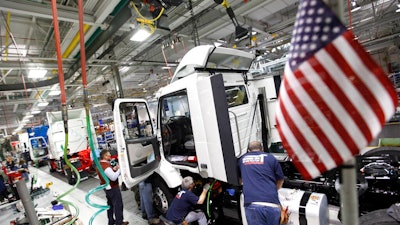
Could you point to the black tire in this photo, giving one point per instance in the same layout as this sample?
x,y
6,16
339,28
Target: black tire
x,y
377,217
162,196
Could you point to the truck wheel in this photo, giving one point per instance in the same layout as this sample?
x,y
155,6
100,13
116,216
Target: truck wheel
x,y
377,217
162,196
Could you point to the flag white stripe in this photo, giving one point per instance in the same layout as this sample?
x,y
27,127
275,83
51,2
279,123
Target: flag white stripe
x,y
340,113
369,79
361,105
294,144
335,105
308,134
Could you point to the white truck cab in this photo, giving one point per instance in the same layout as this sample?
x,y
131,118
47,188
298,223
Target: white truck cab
x,y
205,119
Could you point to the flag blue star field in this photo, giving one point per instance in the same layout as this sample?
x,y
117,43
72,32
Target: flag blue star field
x,y
334,99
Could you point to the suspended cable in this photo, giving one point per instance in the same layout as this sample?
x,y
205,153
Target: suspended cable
x,y
149,20
64,113
349,13
166,63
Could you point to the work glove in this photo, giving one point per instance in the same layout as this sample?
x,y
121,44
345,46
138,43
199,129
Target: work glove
x,y
206,186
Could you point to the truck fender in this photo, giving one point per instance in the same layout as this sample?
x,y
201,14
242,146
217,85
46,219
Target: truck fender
x,y
169,174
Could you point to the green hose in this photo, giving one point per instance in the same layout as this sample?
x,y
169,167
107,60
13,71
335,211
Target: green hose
x,y
208,199
98,166
59,198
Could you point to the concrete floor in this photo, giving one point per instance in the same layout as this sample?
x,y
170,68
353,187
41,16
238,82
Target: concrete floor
x,y
9,212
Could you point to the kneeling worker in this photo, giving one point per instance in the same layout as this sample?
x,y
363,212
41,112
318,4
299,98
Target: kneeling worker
x,y
179,210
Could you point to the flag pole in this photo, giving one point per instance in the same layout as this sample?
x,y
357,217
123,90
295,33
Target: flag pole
x,y
348,190
348,194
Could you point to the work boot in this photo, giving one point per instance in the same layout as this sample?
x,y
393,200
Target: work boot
x,y
154,221
125,223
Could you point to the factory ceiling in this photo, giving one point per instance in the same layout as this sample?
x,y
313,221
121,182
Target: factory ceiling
x,y
28,43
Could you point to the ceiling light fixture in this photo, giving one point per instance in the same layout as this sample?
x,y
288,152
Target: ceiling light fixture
x,y
355,6
42,104
54,93
35,112
123,69
37,73
140,35
146,29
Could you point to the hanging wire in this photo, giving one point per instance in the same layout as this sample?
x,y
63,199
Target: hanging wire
x,y
64,113
145,21
349,13
166,62
88,124
149,20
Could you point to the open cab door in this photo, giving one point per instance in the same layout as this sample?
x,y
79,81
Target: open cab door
x,y
137,145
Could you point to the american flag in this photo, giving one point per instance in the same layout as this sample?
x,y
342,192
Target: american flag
x,y
334,99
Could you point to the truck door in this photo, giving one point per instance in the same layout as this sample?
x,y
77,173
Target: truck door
x,y
214,143
137,145
38,148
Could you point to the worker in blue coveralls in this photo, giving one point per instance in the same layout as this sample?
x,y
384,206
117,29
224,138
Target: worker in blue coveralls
x,y
180,209
262,176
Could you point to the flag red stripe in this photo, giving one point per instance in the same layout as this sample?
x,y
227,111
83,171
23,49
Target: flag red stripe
x,y
357,82
312,124
343,99
329,115
298,134
371,65
296,161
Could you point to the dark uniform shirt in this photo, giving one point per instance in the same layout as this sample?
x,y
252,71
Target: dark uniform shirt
x,y
180,206
260,172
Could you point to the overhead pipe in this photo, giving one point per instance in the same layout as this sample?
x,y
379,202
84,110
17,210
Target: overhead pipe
x,y
118,21
116,12
88,124
74,42
64,113
94,34
49,35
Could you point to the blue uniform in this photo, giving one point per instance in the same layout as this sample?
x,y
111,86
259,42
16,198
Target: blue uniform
x,y
260,172
181,205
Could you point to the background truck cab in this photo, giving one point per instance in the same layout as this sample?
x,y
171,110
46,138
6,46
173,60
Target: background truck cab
x,y
77,142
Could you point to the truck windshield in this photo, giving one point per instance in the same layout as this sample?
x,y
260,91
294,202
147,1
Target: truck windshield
x,y
228,61
175,106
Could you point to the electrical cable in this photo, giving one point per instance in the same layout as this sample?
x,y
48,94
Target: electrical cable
x,y
144,21
166,62
88,124
64,113
208,198
144,18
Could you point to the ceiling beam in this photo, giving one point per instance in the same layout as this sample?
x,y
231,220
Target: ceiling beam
x,y
121,18
41,10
